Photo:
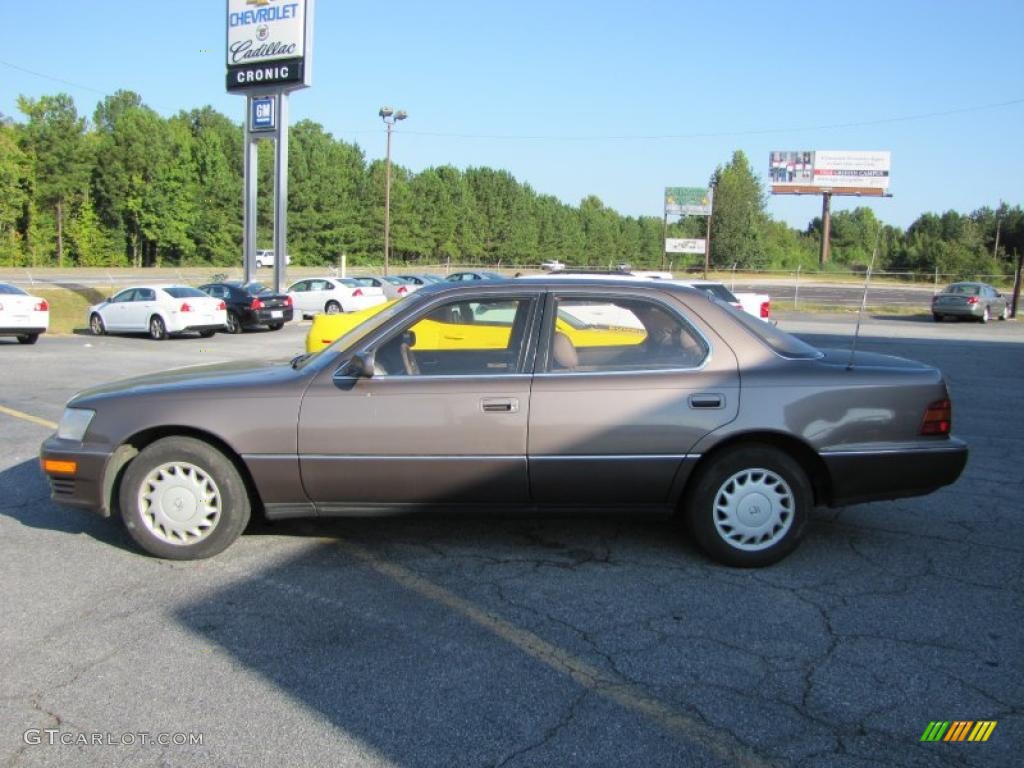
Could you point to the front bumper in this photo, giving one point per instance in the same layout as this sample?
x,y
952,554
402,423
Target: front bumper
x,y
87,486
876,474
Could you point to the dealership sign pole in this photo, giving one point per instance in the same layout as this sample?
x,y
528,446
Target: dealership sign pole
x,y
688,201
269,54
826,173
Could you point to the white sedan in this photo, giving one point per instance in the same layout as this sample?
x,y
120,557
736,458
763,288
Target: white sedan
x,y
160,311
333,295
22,315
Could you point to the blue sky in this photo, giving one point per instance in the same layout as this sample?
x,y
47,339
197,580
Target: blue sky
x,y
616,99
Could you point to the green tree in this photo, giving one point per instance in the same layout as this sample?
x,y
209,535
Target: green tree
x,y
14,182
54,141
739,214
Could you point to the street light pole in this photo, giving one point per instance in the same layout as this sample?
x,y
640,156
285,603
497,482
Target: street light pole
x,y
389,116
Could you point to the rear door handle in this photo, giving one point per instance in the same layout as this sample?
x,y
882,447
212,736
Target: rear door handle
x,y
500,404
707,400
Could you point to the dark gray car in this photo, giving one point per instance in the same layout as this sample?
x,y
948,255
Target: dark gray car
x,y
975,301
531,394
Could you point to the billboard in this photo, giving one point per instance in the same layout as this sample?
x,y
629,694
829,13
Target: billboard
x,y
685,245
822,170
268,44
687,201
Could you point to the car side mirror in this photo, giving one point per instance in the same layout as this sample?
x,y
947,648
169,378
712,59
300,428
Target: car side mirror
x,y
361,365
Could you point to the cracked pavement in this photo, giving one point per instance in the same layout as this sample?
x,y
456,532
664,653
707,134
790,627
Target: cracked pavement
x,y
496,641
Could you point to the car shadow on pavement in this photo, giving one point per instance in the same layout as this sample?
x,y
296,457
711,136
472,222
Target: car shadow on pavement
x,y
26,498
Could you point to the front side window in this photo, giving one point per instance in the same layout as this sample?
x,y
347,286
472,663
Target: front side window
x,y
123,296
483,337
596,335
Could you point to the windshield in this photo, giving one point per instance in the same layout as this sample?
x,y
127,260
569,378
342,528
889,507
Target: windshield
x,y
368,326
10,290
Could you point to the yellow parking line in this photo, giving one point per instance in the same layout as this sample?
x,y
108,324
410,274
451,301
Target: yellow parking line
x,y
28,417
630,697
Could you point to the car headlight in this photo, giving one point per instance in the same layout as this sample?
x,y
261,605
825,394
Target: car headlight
x,y
73,423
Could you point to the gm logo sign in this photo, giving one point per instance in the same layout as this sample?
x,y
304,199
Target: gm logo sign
x,y
261,117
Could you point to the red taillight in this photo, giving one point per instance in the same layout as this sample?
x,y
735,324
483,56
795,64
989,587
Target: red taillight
x,y
402,290
737,305
185,307
357,292
222,305
42,306
257,303
766,309
972,300
938,418
287,301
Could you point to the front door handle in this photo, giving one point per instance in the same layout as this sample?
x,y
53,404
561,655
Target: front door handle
x,y
707,400
500,404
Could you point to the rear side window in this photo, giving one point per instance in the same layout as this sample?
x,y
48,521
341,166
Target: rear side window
x,y
596,335
780,342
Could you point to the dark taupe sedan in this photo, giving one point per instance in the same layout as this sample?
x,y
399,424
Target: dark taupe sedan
x,y
533,394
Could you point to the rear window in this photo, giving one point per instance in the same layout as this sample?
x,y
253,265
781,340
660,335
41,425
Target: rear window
x,y
782,343
10,290
184,292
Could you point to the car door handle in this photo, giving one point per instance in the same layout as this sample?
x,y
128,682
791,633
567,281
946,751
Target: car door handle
x,y
706,400
500,405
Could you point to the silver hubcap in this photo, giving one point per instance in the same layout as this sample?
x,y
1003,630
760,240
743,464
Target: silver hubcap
x,y
180,503
754,509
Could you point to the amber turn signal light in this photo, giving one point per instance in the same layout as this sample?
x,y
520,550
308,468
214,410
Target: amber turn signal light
x,y
57,467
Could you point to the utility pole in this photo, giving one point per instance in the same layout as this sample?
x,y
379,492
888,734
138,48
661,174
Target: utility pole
x,y
389,116
826,227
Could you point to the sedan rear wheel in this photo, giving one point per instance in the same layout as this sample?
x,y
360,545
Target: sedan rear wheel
x,y
96,325
332,308
1005,315
275,326
936,317
986,315
182,499
157,329
28,338
233,324
748,506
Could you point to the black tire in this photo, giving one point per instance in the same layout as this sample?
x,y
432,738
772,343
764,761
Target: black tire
x,y
28,338
206,334
275,326
773,533
936,317
1005,314
157,328
332,307
96,325
233,323
213,474
985,316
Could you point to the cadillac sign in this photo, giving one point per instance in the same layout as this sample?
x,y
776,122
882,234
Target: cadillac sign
x,y
268,45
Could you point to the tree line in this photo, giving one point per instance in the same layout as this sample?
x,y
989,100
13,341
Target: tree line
x,y
132,188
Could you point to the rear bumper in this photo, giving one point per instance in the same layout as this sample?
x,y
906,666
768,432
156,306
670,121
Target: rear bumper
x,y
964,311
21,330
266,316
893,473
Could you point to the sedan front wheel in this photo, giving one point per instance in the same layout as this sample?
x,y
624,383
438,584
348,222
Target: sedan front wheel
x,y
182,499
749,505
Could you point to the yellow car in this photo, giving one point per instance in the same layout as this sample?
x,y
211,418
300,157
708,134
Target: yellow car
x,y
449,332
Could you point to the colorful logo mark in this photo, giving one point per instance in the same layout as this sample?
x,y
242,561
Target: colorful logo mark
x,y
958,730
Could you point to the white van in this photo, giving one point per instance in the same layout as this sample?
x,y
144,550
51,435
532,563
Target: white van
x,y
266,259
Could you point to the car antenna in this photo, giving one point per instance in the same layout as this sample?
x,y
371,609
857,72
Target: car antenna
x,y
864,299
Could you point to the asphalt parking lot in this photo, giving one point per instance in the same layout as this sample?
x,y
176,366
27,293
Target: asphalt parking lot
x,y
508,642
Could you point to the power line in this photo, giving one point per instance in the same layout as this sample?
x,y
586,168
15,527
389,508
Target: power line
x,y
54,79
723,134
